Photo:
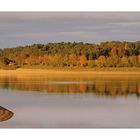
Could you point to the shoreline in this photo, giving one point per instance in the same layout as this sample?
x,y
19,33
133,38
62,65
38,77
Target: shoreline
x,y
113,71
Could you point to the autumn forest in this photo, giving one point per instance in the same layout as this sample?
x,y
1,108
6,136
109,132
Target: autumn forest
x,y
76,54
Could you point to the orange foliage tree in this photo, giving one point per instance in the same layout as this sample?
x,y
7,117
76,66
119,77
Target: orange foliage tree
x,y
83,60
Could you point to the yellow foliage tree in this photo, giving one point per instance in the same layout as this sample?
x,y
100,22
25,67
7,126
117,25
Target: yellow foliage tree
x,y
73,60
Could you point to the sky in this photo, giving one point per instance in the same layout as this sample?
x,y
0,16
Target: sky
x,y
25,28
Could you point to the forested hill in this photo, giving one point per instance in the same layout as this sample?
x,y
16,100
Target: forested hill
x,y
105,54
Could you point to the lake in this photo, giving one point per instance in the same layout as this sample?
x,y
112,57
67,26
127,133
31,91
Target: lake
x,y
71,101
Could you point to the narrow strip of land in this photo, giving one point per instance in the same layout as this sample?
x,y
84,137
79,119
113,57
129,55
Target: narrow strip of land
x,y
71,72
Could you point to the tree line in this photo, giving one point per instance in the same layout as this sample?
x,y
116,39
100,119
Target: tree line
x,y
76,54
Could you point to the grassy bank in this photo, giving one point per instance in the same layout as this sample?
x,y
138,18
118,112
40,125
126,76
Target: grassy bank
x,y
72,71
36,67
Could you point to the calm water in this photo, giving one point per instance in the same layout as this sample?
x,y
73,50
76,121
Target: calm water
x,y
69,102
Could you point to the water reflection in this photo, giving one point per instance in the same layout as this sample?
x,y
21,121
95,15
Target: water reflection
x,y
5,114
99,86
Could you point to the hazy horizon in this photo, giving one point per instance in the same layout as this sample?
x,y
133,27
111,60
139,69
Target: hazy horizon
x,y
25,28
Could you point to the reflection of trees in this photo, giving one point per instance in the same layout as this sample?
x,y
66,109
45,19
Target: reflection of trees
x,y
83,87
98,86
